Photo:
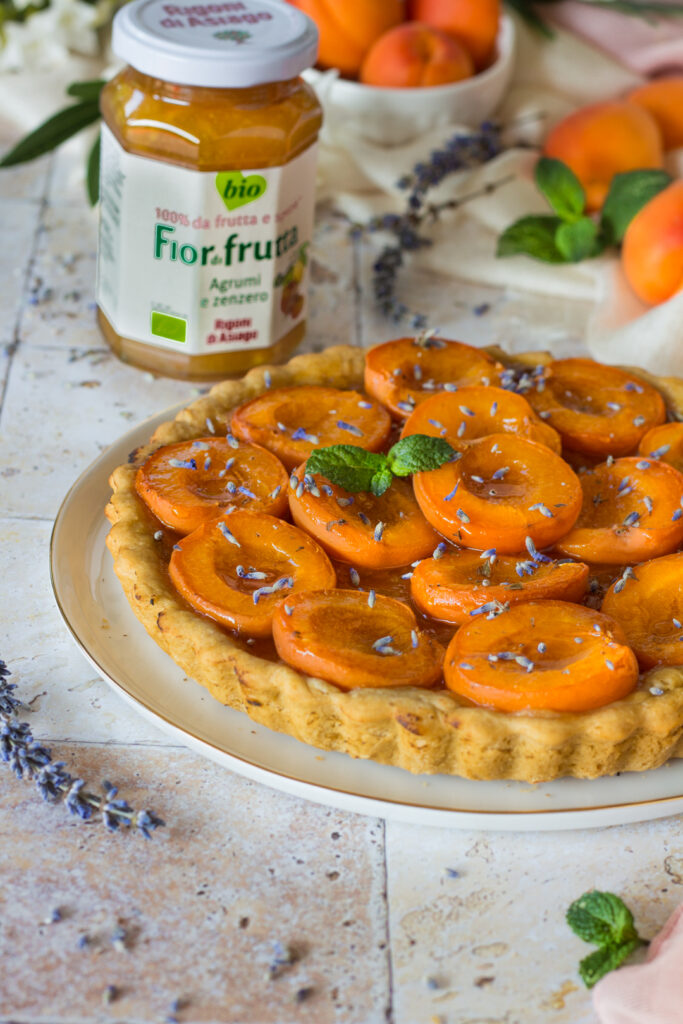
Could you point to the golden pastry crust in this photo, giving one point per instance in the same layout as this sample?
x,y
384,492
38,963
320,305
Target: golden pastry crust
x,y
419,730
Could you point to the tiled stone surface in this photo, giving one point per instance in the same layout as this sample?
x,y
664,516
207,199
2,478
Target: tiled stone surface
x,y
60,309
49,433
67,699
238,867
19,227
24,181
494,939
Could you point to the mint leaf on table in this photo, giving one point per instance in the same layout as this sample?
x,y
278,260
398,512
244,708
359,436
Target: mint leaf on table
x,y
605,959
561,188
418,453
579,239
628,194
601,917
604,920
350,467
356,470
532,236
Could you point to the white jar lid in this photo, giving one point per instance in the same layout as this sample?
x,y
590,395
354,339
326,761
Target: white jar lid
x,y
225,45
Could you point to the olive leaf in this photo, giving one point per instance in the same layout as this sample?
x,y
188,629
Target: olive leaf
x,y
51,133
92,174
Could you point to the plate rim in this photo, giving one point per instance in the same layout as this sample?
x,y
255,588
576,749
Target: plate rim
x,y
318,790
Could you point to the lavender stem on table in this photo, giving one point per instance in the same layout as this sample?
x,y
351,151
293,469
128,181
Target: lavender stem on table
x,y
29,760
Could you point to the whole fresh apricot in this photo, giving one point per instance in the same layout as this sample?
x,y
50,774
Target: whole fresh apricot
x,y
604,139
348,28
416,55
652,253
663,99
473,22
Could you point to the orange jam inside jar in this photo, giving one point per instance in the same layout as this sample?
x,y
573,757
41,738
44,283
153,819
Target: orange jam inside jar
x,y
207,186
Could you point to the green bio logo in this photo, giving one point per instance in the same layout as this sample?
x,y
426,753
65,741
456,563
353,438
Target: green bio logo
x,y
174,328
236,190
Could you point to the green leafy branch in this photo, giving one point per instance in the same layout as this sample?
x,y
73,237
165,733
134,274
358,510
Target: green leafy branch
x,y
604,920
569,235
356,469
62,126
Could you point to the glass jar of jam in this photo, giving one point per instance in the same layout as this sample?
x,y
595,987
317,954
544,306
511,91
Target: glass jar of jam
x,y
207,186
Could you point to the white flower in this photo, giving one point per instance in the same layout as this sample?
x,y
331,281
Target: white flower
x,y
47,37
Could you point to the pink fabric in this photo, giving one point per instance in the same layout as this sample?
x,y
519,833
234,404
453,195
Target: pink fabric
x,y
649,993
648,48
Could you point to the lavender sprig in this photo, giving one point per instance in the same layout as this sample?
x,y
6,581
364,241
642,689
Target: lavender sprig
x,y
29,760
460,152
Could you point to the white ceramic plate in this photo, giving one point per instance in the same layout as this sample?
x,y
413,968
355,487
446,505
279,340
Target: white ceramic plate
x,y
97,613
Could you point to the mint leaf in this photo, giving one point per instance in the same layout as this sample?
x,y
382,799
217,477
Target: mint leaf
x,y
599,963
417,453
628,194
561,187
578,240
51,133
381,481
350,467
532,236
601,918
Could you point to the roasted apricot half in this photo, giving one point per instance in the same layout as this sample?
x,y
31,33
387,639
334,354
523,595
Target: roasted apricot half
x,y
599,410
376,532
400,374
648,604
354,639
472,412
502,490
455,586
188,483
237,568
291,422
664,443
544,655
631,512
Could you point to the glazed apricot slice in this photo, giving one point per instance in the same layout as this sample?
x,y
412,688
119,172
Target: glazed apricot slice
x,y
503,490
354,640
631,512
664,443
476,411
456,586
544,655
188,483
237,568
599,410
376,532
648,604
291,422
400,374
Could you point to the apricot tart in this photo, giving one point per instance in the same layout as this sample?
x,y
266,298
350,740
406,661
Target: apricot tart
x,y
509,613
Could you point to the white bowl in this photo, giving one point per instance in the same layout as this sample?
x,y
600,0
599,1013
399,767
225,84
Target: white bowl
x,y
393,117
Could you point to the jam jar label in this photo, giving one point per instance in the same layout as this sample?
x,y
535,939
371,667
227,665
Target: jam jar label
x,y
203,261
